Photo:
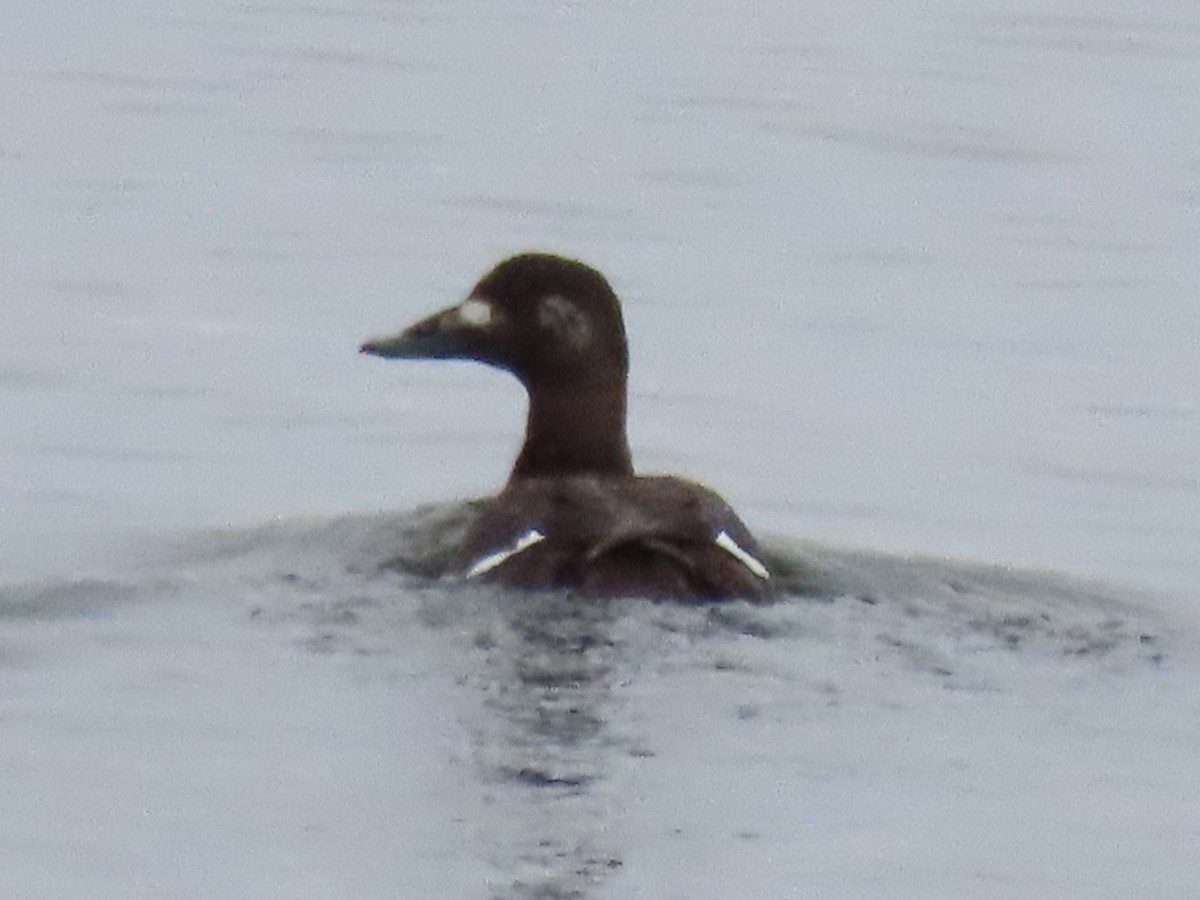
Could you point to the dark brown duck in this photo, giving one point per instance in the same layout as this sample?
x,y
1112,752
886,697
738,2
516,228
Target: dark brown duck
x,y
573,514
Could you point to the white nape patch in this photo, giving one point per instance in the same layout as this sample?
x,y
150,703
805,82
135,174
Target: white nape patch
x,y
489,562
730,546
475,312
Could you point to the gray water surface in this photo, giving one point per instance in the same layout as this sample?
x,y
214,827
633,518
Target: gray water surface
x,y
899,278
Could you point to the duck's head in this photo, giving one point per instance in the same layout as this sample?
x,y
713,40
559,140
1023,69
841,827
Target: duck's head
x,y
547,319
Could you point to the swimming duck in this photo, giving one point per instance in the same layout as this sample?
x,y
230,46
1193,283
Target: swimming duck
x,y
573,514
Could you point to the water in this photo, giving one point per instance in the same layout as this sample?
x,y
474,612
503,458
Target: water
x,y
911,277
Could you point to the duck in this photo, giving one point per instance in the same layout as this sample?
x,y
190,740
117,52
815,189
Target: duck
x,y
573,514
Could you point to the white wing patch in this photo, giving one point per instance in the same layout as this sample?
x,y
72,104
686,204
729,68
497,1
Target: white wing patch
x,y
524,542
475,312
730,546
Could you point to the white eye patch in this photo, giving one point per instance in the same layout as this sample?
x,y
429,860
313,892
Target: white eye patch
x,y
730,546
564,318
475,312
489,562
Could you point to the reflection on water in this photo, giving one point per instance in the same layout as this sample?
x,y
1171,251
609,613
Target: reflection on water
x,y
548,681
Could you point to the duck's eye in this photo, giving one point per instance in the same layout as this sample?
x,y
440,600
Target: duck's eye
x,y
475,313
564,318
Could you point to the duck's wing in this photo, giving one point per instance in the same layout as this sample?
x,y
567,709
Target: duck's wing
x,y
654,537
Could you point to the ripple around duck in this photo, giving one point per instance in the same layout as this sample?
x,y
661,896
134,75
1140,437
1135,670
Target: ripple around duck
x,y
394,560
570,696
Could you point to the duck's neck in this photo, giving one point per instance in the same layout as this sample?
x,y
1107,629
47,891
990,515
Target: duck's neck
x,y
575,429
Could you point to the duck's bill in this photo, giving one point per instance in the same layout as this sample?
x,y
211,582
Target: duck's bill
x,y
437,337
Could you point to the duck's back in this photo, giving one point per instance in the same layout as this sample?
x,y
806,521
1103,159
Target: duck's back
x,y
655,537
